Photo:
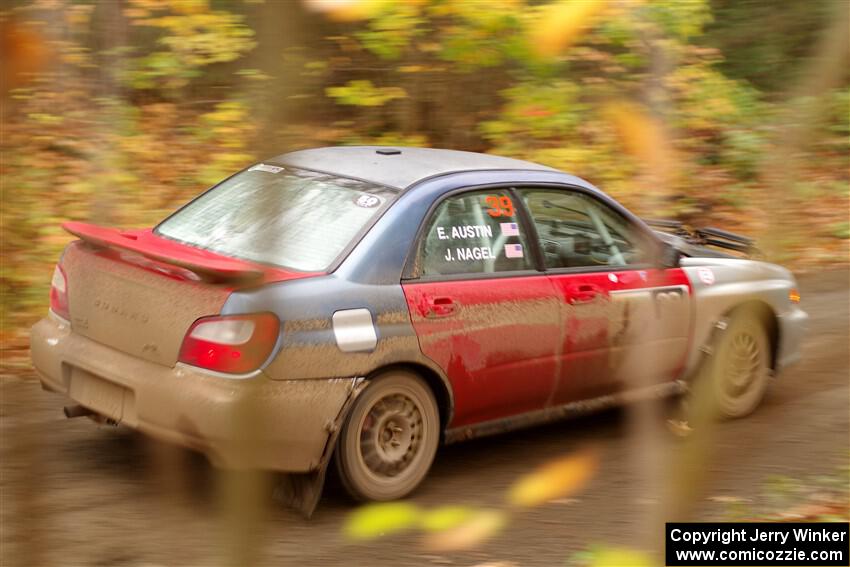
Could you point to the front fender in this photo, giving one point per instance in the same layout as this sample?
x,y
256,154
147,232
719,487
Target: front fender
x,y
719,285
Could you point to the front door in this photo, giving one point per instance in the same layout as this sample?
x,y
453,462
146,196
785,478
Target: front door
x,y
480,309
624,322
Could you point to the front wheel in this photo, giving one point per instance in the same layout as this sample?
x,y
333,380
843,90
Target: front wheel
x,y
739,370
389,439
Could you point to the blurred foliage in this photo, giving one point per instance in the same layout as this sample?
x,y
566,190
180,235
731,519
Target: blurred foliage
x,y
364,93
824,498
117,112
765,60
476,528
601,556
193,36
456,527
554,480
376,520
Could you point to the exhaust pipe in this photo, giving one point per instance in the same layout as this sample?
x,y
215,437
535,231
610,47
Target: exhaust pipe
x,y
76,411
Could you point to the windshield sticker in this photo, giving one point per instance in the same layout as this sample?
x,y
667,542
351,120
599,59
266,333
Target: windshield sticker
x,y
464,231
706,276
266,168
367,201
509,228
469,254
499,206
513,250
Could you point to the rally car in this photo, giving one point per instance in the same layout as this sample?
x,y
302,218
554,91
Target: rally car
x,y
361,305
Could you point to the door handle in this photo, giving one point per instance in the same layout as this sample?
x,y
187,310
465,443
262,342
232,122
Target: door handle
x,y
584,293
441,307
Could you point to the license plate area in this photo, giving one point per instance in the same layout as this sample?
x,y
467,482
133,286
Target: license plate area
x,y
95,393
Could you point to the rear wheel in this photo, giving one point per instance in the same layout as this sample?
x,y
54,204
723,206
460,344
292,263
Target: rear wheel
x,y
739,370
389,439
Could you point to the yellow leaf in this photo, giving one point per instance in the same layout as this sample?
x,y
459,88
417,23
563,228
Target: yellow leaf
x,y
639,132
475,530
375,520
562,23
346,10
620,557
557,479
643,137
445,517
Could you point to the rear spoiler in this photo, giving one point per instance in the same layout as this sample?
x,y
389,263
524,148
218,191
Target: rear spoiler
x,y
209,266
707,236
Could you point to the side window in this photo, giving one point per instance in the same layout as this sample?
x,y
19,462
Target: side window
x,y
578,231
474,233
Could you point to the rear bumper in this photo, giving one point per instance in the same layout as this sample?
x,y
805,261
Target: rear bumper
x,y
239,423
792,328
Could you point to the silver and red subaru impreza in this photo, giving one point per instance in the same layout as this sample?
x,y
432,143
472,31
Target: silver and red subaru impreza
x,y
364,304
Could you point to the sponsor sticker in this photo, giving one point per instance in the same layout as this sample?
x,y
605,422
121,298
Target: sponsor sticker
x,y
706,275
513,250
266,168
367,201
509,228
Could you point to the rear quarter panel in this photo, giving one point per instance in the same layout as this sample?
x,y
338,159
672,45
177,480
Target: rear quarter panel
x,y
308,347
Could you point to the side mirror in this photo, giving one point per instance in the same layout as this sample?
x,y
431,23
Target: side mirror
x,y
669,257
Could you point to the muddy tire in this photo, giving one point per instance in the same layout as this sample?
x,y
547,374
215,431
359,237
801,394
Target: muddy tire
x,y
389,438
738,371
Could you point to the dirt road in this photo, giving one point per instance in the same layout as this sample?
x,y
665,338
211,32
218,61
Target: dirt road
x,y
77,494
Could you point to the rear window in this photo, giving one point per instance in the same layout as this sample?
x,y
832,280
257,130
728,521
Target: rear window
x,y
285,217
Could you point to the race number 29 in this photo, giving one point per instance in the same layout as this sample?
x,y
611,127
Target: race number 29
x,y
500,206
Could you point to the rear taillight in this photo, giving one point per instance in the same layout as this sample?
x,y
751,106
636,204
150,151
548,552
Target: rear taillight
x,y
233,344
59,294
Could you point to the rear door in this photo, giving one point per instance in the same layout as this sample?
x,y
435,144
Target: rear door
x,y
480,309
625,322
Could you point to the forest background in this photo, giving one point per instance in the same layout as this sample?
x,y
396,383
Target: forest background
x,y
715,112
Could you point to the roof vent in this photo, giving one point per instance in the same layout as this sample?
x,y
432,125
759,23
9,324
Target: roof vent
x,y
388,152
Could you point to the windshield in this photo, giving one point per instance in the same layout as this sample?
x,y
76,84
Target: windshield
x,y
273,215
